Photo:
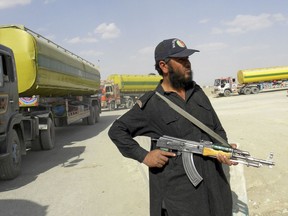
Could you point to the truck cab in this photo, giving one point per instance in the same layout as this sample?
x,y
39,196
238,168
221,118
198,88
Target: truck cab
x,y
110,98
10,118
225,86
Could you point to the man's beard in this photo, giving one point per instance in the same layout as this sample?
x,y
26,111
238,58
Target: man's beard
x,y
179,81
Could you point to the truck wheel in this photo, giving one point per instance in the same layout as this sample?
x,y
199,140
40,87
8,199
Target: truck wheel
x,y
97,113
85,121
227,93
91,118
255,90
10,167
112,105
247,91
129,104
47,137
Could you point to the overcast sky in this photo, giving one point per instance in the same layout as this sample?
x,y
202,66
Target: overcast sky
x,y
120,35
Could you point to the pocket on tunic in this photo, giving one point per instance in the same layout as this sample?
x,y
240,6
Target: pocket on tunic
x,y
172,117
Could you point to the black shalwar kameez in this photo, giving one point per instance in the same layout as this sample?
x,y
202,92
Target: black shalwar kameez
x,y
170,187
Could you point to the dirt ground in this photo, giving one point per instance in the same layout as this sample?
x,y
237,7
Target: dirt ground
x,y
86,175
259,123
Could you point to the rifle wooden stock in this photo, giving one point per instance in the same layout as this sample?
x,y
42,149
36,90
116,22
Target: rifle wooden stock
x,y
213,153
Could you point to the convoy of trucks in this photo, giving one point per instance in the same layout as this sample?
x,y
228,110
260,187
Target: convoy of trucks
x,y
42,86
123,90
253,81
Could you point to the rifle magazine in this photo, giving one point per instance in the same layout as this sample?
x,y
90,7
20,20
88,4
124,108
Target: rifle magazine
x,y
190,169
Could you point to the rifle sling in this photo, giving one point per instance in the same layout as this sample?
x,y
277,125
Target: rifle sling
x,y
195,121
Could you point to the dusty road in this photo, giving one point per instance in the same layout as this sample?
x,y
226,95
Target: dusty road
x,y
86,175
259,123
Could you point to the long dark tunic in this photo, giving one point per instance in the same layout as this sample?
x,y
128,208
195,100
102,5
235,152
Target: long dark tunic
x,y
170,187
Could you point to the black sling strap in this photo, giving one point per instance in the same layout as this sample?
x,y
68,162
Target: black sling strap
x,y
195,121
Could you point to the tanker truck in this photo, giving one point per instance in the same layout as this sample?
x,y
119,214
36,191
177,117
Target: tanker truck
x,y
122,90
253,81
43,86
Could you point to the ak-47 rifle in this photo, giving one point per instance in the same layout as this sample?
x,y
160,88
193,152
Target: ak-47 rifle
x,y
205,148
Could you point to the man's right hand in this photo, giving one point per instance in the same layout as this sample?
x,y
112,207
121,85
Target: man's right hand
x,y
157,158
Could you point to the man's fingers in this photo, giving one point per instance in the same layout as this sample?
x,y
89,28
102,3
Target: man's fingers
x,y
223,159
158,158
160,164
168,154
164,157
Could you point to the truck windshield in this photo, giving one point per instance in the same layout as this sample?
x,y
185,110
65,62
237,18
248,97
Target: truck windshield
x,y
217,82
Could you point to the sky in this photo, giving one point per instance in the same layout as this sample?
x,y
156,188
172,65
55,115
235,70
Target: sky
x,y
119,36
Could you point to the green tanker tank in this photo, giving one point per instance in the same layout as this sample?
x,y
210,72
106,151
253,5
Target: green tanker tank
x,y
262,74
123,90
45,68
253,81
129,83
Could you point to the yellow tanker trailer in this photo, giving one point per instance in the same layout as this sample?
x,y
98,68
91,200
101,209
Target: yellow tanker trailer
x,y
42,85
253,81
122,90
46,69
262,74
261,79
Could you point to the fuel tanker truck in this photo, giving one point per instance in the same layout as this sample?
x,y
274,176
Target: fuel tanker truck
x,y
43,86
253,81
122,90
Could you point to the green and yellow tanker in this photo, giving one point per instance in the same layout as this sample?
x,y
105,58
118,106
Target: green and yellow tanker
x,y
42,85
45,68
253,81
122,90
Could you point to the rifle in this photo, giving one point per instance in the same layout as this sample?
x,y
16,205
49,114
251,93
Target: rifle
x,y
206,148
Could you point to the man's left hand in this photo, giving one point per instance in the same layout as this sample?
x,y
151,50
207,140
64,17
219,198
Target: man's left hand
x,y
223,159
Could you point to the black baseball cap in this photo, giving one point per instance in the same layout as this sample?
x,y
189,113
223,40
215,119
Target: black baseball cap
x,y
172,48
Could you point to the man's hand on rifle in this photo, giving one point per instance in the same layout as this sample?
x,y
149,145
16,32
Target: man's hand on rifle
x,y
157,158
223,159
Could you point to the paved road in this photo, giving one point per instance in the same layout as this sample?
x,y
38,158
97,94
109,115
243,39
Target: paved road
x,y
86,175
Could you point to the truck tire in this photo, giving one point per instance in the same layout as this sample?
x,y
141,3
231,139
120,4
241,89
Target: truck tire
x,y
10,167
97,113
112,105
255,90
227,93
129,104
91,118
247,91
85,121
47,137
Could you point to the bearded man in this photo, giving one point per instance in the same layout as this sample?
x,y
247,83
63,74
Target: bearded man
x,y
171,192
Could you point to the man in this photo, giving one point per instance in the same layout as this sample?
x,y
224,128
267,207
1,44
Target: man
x,y
171,192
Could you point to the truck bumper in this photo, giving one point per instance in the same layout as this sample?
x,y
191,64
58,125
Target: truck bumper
x,y
217,92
